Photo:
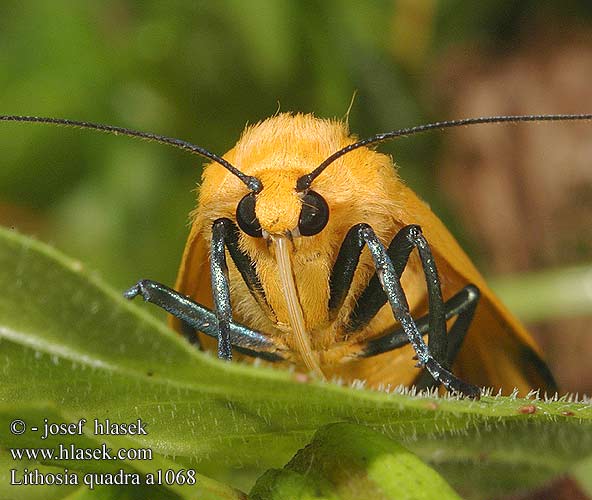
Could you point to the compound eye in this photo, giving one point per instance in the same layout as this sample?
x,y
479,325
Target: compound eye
x,y
314,214
246,218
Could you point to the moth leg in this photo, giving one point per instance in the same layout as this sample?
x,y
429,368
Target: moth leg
x,y
374,297
200,318
225,234
343,273
391,284
466,302
229,232
462,305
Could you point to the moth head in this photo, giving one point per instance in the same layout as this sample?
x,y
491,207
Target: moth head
x,y
298,214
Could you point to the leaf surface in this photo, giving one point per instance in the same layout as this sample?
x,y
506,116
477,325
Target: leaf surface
x,y
71,348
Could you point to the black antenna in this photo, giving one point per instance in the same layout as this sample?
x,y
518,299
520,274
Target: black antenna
x,y
252,183
305,181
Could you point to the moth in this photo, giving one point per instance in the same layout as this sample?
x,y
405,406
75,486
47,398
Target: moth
x,y
307,249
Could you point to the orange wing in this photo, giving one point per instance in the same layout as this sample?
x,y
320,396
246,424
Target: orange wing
x,y
498,351
193,278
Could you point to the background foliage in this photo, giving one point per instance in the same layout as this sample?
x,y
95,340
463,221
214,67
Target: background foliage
x,y
82,351
201,70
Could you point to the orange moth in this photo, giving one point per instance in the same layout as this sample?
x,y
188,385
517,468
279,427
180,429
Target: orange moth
x,y
307,248
363,186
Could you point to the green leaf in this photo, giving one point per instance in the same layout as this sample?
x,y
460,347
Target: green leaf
x,y
72,348
352,462
81,479
582,472
548,294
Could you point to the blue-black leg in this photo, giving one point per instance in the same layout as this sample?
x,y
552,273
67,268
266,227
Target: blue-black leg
x,y
221,287
225,235
344,268
391,284
230,232
343,273
462,305
374,297
202,319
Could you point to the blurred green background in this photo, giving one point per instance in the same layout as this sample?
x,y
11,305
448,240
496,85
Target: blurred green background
x,y
202,70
